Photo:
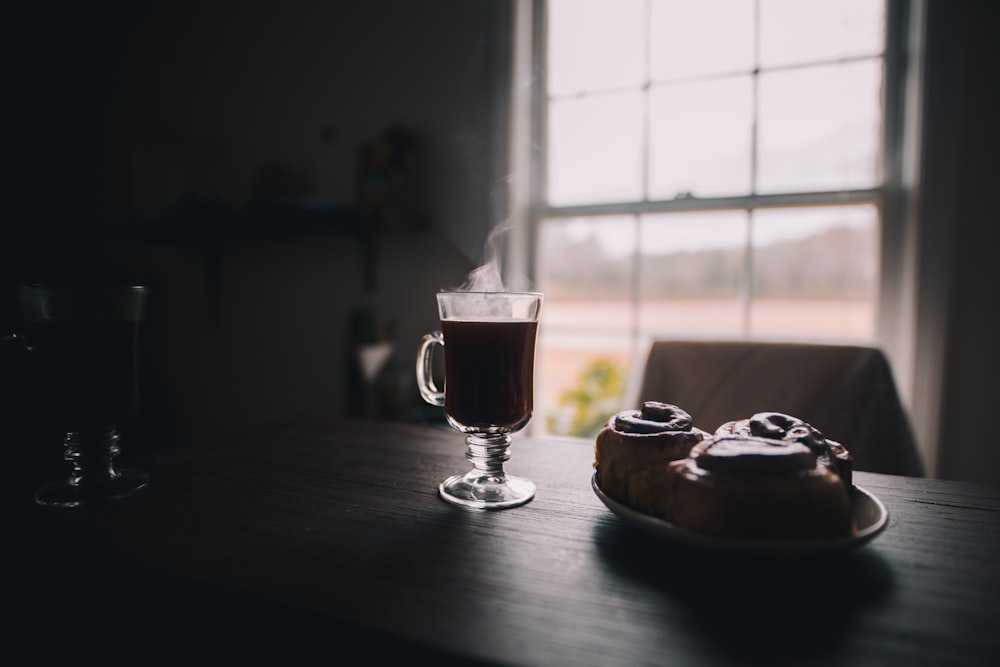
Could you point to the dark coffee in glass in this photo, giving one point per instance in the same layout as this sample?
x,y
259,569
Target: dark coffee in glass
x,y
87,371
489,372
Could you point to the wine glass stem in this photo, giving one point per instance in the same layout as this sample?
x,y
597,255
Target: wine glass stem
x,y
92,455
488,453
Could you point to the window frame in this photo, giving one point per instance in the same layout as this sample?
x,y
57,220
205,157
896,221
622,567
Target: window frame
x,y
893,197
909,325
540,209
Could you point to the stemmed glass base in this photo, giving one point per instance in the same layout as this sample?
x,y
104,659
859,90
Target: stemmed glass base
x,y
95,476
487,486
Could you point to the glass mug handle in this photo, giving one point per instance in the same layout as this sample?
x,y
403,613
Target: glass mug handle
x,y
425,379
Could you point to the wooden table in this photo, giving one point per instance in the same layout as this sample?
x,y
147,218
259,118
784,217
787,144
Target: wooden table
x,y
322,540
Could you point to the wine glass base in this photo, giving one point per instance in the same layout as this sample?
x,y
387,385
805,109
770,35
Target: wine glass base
x,y
487,492
64,493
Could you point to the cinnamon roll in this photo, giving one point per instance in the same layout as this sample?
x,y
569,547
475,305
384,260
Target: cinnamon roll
x,y
786,428
745,487
633,449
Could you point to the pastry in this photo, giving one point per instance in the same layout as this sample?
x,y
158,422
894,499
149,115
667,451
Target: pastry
x,y
633,449
785,428
745,487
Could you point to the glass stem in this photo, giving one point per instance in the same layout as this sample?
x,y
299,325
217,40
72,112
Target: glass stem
x,y
92,455
488,453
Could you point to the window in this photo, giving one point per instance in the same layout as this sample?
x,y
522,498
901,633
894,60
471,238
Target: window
x,y
708,168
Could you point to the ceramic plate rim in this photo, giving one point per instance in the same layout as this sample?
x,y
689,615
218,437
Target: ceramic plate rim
x,y
865,503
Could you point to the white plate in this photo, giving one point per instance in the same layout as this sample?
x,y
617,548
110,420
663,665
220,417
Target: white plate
x,y
870,516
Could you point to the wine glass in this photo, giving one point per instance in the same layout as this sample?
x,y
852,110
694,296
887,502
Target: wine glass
x,y
489,356
83,344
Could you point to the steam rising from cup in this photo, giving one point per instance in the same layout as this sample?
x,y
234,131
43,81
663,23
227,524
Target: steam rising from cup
x,y
489,277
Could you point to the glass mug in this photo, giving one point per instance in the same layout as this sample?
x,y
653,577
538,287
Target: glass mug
x,y
489,357
82,348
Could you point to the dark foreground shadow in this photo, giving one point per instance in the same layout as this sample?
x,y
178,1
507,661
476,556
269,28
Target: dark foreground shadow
x,y
123,614
761,609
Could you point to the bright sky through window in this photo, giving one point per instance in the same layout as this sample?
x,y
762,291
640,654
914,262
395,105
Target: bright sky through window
x,y
712,168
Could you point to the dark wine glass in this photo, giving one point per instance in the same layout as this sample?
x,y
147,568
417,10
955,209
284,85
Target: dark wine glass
x,y
84,348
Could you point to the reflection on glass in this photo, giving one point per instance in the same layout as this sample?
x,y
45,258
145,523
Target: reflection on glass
x,y
602,133
818,128
692,267
792,31
815,271
595,45
701,138
698,38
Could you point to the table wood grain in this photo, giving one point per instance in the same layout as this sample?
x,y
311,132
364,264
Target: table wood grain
x,y
318,538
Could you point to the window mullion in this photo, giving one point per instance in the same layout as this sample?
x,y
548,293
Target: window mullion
x,y
686,204
746,293
645,156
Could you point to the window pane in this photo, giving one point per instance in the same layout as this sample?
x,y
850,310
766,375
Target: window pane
x,y
595,45
691,272
819,128
701,138
792,31
580,381
815,271
585,271
697,38
595,149
585,341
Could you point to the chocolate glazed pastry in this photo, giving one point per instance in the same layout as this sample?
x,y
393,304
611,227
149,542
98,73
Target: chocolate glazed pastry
x,y
633,449
745,487
788,429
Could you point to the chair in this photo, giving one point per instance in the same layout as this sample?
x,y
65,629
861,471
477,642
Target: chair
x,y
846,391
